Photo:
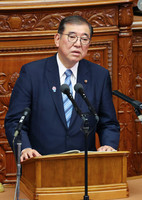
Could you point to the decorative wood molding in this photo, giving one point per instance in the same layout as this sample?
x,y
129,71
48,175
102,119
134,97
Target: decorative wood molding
x,y
7,83
2,130
102,46
125,22
125,69
19,22
5,146
27,49
137,39
137,76
125,112
2,164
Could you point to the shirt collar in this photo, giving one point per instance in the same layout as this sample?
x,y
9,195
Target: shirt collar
x,y
62,68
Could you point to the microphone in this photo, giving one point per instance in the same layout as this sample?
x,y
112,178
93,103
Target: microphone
x,y
25,114
66,90
79,89
135,103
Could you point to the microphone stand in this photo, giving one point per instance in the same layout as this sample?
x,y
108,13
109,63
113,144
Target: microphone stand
x,y
17,135
85,129
19,144
65,89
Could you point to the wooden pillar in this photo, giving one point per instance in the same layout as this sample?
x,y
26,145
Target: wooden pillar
x,y
125,82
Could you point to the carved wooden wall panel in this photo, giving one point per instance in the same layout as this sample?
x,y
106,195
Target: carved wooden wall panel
x,y
46,20
125,112
27,35
137,75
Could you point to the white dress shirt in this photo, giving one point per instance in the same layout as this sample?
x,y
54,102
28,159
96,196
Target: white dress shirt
x,y
62,75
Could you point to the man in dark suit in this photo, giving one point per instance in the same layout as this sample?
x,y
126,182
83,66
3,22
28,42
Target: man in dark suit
x,y
38,87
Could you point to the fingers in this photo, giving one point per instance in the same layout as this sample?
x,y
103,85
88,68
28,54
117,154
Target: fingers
x,y
106,148
29,153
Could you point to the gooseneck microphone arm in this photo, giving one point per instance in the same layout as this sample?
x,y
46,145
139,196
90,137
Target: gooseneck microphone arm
x,y
79,89
136,104
66,90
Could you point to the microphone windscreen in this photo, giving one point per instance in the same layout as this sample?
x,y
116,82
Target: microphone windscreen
x,y
26,111
25,114
78,87
65,88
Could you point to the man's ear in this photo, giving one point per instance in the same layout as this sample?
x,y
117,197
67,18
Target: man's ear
x,y
57,39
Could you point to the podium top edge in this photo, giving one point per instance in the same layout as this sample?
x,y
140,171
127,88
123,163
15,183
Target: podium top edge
x,y
77,155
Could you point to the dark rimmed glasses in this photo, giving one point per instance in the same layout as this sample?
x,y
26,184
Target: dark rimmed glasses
x,y
73,38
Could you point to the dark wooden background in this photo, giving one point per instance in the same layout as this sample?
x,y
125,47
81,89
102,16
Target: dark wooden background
x,y
26,34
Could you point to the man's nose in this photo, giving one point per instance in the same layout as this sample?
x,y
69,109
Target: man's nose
x,y
78,41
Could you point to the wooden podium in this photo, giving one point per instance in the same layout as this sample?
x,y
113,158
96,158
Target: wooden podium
x,y
61,177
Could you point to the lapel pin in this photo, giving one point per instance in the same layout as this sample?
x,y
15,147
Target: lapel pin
x,y
54,89
85,81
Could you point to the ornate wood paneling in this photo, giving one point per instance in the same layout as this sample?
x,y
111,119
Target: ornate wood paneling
x,y
137,76
27,34
125,111
41,21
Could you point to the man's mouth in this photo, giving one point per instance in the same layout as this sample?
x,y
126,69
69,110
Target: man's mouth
x,y
76,52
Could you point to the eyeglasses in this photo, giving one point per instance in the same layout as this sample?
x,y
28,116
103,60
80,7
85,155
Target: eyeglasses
x,y
73,38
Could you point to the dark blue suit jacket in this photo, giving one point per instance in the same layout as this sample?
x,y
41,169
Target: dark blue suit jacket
x,y
38,87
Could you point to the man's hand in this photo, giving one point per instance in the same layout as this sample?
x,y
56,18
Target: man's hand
x,y
28,153
106,148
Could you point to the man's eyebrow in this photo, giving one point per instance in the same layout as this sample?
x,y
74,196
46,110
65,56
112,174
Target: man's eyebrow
x,y
86,34
72,32
76,33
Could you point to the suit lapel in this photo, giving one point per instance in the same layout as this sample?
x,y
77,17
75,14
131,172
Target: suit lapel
x,y
54,87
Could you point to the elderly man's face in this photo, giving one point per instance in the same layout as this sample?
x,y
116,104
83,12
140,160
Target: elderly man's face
x,y
73,43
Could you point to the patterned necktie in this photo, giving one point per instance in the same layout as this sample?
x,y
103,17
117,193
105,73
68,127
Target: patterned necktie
x,y
67,103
